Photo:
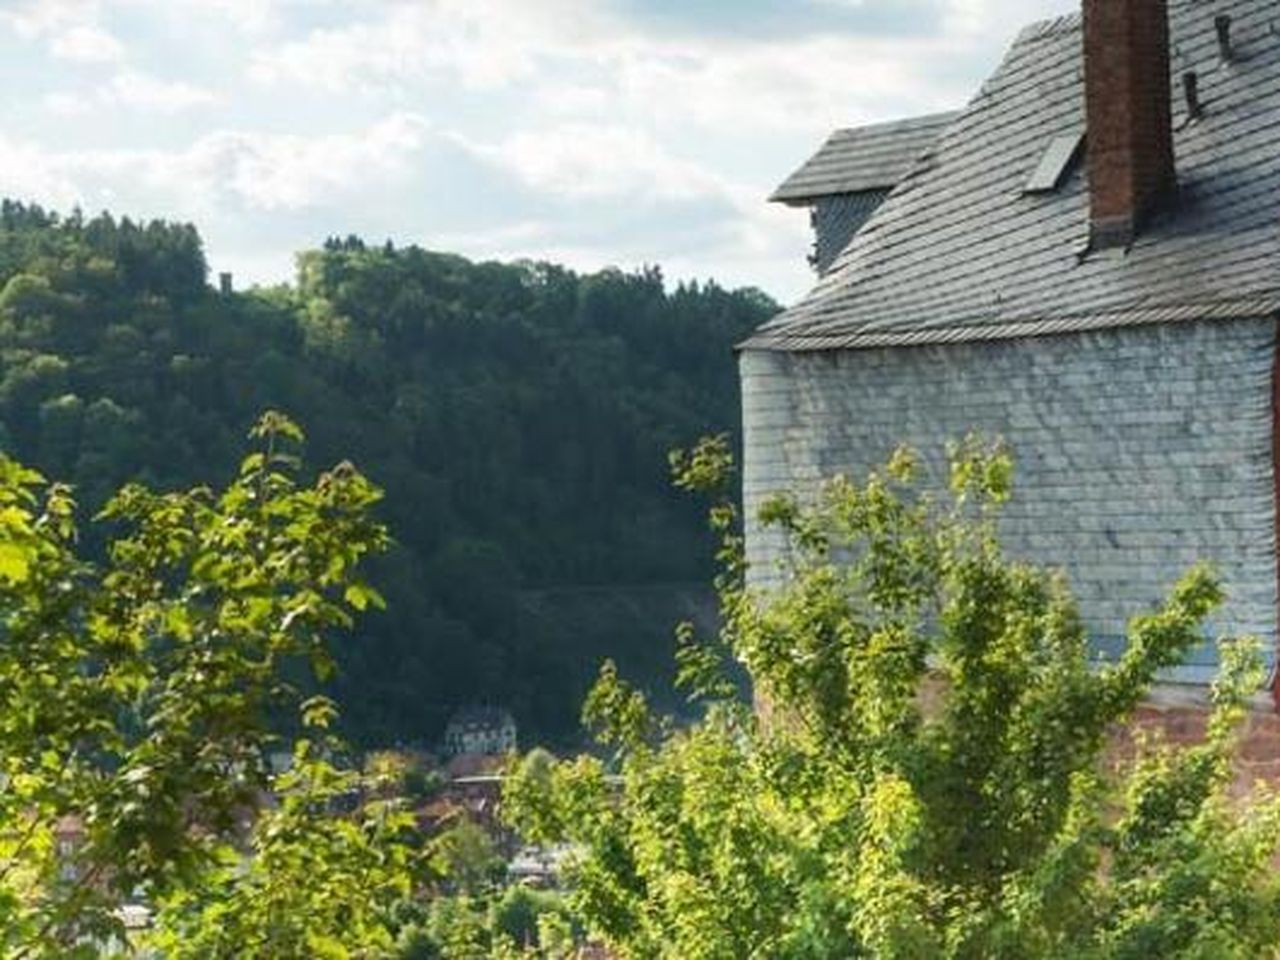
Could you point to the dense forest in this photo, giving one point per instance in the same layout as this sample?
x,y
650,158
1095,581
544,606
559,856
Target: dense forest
x,y
517,416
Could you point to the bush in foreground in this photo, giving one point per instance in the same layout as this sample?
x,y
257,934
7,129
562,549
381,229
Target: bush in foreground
x,y
929,780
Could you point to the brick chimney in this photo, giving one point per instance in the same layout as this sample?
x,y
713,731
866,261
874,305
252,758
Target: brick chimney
x,y
1129,115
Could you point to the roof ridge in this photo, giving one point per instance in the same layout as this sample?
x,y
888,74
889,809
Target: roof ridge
x,y
886,126
1049,27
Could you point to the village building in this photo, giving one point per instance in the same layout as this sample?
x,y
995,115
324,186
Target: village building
x,y
480,731
541,866
1084,261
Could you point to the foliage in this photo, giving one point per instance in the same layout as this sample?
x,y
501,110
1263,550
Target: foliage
x,y
138,706
517,415
420,786
314,883
521,915
137,693
519,924
927,780
467,858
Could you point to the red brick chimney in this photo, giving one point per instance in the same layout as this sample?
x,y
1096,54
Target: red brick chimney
x,y
1129,115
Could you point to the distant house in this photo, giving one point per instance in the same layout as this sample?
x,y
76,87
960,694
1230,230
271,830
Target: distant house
x,y
69,837
1085,261
479,731
538,866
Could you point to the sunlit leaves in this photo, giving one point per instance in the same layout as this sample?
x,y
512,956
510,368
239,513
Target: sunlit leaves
x,y
315,882
925,779
137,696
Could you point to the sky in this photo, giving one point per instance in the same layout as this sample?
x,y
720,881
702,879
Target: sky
x,y
588,132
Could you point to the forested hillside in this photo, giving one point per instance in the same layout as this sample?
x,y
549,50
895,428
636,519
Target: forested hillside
x,y
517,415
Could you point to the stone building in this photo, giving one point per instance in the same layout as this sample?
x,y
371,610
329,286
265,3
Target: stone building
x,y
1085,261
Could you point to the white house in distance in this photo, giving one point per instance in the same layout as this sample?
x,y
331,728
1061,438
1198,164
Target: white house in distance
x,y
1085,261
480,731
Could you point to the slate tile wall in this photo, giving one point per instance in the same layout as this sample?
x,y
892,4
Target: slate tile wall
x,y
1139,451
836,219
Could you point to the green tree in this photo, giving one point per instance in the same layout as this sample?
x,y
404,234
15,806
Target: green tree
x,y
521,924
315,883
927,780
138,694
467,858
523,917
516,414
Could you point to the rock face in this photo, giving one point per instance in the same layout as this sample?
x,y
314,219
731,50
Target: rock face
x,y
1139,452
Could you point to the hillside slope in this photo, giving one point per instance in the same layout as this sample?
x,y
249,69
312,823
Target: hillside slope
x,y
518,416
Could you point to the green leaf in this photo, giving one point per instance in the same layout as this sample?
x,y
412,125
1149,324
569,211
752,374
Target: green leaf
x,y
361,595
15,563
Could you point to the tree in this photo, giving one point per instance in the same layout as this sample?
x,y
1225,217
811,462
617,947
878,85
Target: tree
x,y
315,883
928,781
523,917
139,694
521,924
516,414
467,858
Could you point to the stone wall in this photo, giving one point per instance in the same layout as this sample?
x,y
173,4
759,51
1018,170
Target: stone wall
x,y
1139,451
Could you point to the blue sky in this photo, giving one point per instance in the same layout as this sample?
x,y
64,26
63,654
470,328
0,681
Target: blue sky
x,y
590,132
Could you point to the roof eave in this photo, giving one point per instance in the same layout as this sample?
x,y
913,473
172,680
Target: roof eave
x,y
1258,306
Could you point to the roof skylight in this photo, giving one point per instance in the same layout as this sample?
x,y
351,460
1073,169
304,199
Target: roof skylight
x,y
1055,163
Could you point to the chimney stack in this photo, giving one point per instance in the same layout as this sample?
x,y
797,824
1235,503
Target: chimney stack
x,y
1129,115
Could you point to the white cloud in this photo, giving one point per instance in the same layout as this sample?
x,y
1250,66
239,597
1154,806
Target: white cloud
x,y
135,90
765,88
248,16
220,171
484,44
590,161
27,173
86,44
699,222
70,29
252,18
292,172
765,84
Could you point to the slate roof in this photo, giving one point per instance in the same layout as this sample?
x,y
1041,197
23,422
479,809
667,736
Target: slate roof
x,y
857,159
959,252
